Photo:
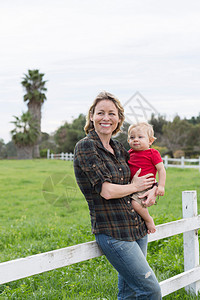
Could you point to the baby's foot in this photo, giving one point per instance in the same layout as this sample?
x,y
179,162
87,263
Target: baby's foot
x,y
150,226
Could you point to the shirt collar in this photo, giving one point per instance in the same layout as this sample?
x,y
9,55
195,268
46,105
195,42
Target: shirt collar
x,y
94,136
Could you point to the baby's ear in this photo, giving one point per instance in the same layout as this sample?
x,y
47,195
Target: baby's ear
x,y
151,140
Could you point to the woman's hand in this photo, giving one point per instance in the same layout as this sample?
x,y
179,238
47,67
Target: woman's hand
x,y
144,182
151,197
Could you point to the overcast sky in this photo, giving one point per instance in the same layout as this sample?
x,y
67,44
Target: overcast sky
x,y
86,46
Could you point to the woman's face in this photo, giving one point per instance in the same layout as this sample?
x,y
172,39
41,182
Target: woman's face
x,y
105,118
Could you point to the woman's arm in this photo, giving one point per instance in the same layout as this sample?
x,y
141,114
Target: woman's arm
x,y
112,191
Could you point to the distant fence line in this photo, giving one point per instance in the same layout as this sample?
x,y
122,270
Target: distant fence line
x,y
168,161
181,162
62,156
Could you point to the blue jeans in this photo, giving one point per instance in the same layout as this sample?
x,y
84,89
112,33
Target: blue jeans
x,y
136,280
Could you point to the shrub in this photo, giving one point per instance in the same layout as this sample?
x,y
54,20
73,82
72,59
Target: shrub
x,y
179,153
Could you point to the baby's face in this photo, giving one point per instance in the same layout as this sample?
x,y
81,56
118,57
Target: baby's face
x,y
139,139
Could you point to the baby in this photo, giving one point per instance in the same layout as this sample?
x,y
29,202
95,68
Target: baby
x,y
140,138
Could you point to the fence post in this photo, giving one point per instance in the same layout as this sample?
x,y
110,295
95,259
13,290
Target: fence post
x,y
190,238
48,154
166,161
199,163
182,162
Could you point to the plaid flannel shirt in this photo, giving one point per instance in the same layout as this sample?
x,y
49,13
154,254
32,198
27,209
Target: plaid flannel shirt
x,y
93,165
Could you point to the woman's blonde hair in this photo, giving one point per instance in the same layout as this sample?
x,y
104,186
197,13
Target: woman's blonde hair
x,y
104,96
148,127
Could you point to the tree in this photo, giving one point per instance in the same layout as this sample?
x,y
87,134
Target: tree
x,y
35,87
176,134
24,135
193,143
79,123
11,150
2,149
47,142
122,136
194,120
69,134
158,124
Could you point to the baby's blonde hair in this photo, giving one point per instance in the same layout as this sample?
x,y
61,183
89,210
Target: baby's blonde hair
x,y
148,127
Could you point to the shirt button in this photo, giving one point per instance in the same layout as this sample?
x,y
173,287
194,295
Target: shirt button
x,y
132,210
94,166
120,169
122,178
129,202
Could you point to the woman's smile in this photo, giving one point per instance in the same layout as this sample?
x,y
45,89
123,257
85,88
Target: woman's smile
x,y
105,124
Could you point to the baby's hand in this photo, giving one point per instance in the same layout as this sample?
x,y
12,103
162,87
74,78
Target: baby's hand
x,y
160,191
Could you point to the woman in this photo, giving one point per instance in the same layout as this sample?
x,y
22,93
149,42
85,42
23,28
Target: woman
x,y
103,175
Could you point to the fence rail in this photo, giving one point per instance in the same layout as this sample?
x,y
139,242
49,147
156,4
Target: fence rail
x,y
62,156
181,162
189,225
168,161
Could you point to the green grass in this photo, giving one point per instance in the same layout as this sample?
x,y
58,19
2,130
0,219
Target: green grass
x,y
42,210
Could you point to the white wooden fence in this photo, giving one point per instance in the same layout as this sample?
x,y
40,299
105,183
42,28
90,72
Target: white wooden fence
x,y
168,161
63,156
181,162
189,225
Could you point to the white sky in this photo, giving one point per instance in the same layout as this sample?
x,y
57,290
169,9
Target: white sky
x,y
86,46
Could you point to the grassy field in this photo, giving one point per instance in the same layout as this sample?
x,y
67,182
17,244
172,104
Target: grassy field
x,y
42,210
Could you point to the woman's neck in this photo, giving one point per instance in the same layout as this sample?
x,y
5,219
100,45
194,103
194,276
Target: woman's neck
x,y
105,139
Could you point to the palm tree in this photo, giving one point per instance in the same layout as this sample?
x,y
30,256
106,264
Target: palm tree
x,y
24,135
35,87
